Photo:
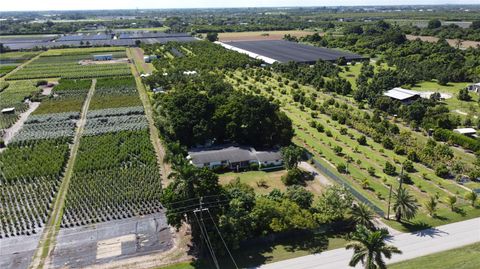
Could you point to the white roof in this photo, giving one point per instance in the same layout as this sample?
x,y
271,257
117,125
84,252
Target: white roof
x,y
465,131
8,109
400,93
249,53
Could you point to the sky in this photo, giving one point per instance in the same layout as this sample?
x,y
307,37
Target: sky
x,y
37,5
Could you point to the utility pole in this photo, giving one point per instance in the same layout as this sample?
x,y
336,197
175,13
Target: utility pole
x,y
204,231
389,199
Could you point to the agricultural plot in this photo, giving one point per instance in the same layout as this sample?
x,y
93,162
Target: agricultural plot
x,y
70,66
48,126
28,186
334,143
14,95
67,96
115,176
115,120
10,60
114,93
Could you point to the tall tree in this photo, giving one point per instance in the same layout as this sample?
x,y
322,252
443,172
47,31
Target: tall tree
x,y
370,248
291,156
405,205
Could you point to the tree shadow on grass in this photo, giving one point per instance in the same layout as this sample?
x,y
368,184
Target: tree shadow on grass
x,y
255,253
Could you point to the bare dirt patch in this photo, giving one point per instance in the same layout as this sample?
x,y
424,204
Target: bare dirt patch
x,y
261,35
453,42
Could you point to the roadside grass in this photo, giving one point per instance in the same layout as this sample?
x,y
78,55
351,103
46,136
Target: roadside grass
x,y
182,265
467,257
261,253
425,182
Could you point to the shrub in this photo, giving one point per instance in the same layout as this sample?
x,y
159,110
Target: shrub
x,y
442,171
387,143
362,140
390,169
342,168
293,176
371,171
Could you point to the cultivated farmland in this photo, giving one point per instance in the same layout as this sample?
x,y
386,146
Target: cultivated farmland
x,y
70,66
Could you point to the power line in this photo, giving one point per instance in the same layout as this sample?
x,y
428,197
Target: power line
x,y
221,237
205,236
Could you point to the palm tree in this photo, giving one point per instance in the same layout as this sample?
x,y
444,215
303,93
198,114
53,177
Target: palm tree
x,y
369,247
362,214
405,205
431,205
472,196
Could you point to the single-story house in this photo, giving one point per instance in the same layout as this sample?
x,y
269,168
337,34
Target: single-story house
x,y
103,57
403,95
234,157
466,131
474,87
8,110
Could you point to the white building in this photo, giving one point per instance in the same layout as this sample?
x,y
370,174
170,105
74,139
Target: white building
x,y
234,157
474,87
403,95
466,131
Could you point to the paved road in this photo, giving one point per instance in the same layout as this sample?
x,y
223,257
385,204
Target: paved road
x,y
413,245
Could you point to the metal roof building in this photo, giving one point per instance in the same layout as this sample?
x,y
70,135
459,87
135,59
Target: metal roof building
x,y
403,95
282,51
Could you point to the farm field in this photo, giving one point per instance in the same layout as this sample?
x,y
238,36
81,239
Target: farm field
x,y
260,35
115,156
13,95
66,64
360,159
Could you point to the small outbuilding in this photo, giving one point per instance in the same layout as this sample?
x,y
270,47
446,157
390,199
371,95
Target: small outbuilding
x,y
403,95
474,87
8,110
103,57
466,131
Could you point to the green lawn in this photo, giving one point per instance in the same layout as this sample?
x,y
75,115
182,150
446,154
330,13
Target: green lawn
x,y
183,265
271,179
262,253
461,258
453,89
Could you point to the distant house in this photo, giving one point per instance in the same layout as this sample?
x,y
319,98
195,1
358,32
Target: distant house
x,y
474,87
466,131
8,110
103,57
234,157
149,58
403,95
189,73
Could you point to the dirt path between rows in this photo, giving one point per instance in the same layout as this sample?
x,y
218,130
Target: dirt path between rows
x,y
47,241
165,169
15,128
